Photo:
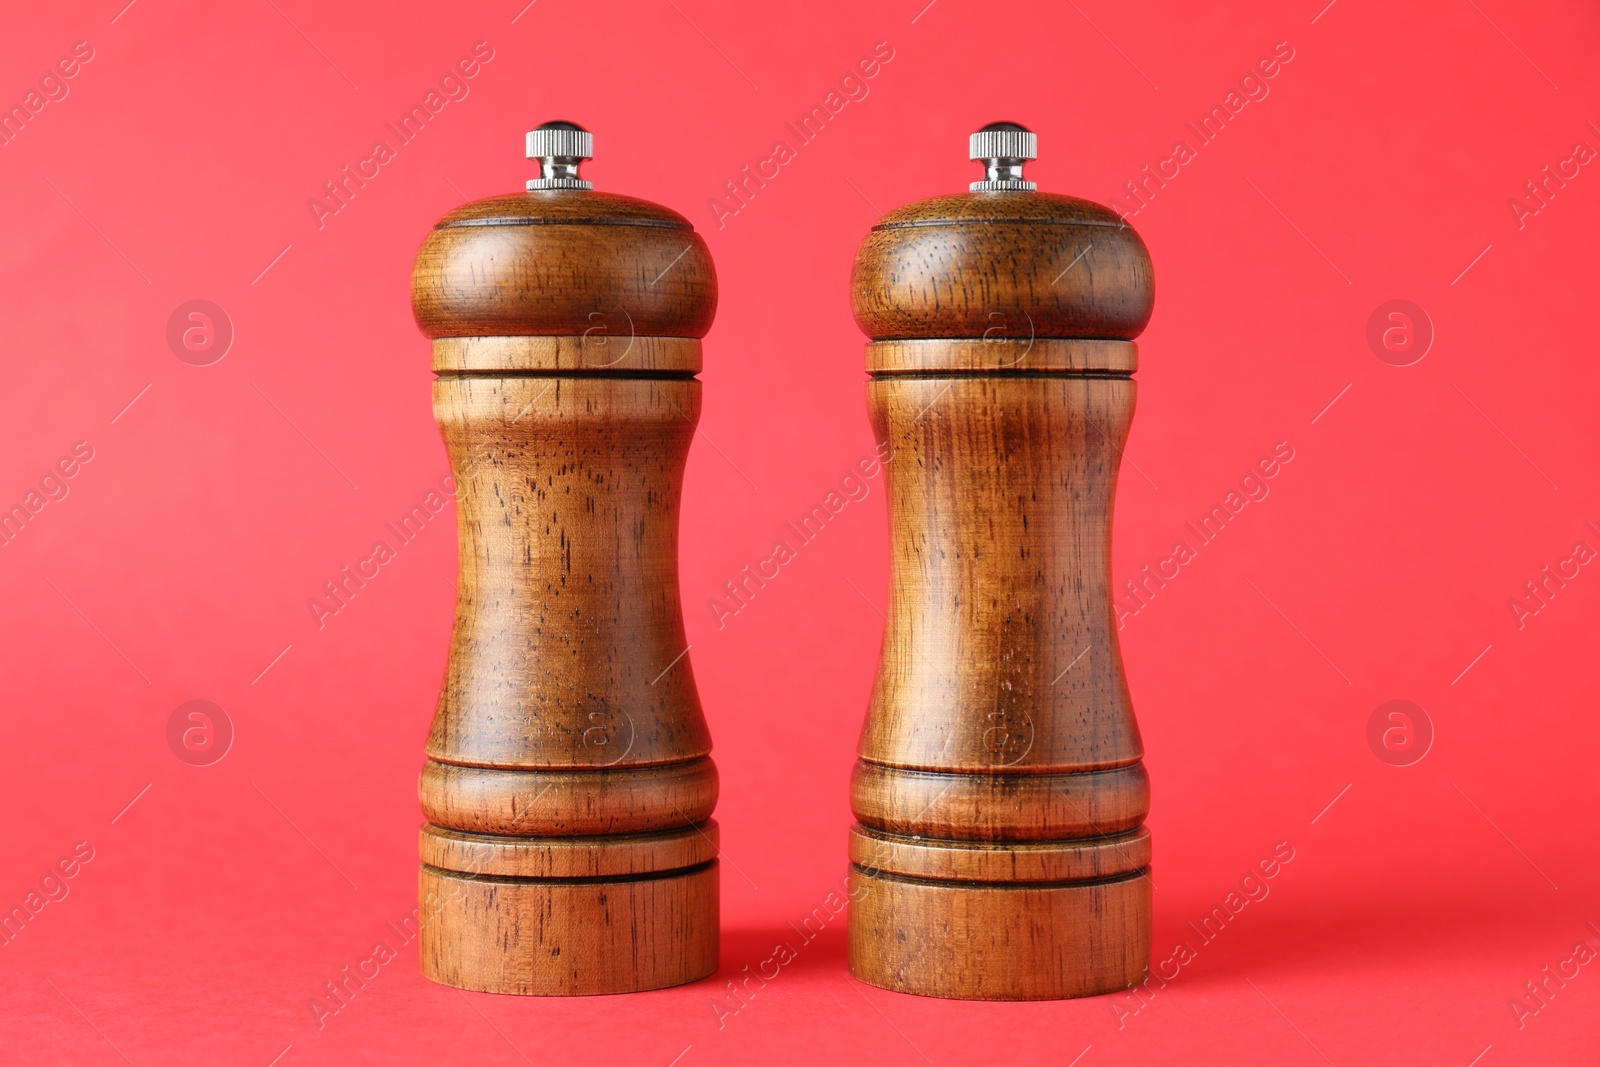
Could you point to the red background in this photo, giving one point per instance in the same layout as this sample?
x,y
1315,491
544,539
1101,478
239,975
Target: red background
x,y
1380,566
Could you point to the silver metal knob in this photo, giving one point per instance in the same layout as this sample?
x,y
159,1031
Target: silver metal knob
x,y
560,147
1002,148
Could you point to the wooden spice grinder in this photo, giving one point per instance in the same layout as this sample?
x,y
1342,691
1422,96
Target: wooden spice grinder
x,y
568,788
999,852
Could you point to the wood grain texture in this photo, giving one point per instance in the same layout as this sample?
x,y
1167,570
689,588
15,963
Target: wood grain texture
x,y
569,857
1015,941
1000,353
1000,793
599,351
568,786
563,262
998,806
937,859
1000,646
606,800
1011,264
567,936
568,648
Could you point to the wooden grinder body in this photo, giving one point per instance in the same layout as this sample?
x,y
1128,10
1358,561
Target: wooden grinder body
x,y
999,851
568,787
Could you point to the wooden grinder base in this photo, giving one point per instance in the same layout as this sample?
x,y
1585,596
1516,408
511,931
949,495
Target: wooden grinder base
x,y
493,929
1018,939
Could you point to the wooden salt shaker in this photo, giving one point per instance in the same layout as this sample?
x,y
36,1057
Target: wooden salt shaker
x,y
999,852
568,788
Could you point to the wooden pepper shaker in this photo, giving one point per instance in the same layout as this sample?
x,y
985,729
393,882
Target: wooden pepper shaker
x,y
999,852
568,786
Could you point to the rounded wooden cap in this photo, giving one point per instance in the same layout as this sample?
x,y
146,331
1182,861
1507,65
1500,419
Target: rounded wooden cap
x,y
1003,266
563,262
